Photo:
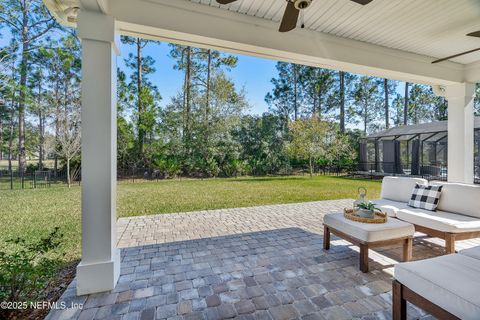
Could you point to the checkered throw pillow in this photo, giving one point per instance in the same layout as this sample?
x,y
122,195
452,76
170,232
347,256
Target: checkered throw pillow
x,y
425,197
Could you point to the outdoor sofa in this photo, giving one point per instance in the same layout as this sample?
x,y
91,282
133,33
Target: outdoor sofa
x,y
457,216
446,287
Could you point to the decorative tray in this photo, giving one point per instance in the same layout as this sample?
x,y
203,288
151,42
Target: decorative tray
x,y
350,214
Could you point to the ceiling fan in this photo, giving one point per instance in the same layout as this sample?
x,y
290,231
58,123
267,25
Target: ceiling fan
x,y
292,12
471,34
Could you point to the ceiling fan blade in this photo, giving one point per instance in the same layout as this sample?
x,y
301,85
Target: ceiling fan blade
x,y
474,34
456,55
225,1
362,2
290,18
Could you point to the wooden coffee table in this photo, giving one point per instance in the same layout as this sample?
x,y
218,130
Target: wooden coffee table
x,y
367,236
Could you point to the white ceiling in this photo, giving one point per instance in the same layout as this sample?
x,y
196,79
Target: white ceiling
x,y
419,26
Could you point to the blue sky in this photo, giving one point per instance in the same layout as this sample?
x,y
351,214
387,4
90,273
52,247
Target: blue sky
x,y
254,74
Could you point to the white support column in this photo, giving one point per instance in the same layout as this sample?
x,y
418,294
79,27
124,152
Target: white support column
x,y
460,132
100,266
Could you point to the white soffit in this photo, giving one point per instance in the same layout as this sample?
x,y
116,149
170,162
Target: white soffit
x,y
395,39
434,28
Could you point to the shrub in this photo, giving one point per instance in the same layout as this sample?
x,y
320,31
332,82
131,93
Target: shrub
x,y
169,167
27,266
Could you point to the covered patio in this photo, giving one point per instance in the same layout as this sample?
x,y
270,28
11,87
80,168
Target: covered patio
x,y
255,263
390,39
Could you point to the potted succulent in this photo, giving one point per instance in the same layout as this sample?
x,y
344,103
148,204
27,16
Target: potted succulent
x,y
367,210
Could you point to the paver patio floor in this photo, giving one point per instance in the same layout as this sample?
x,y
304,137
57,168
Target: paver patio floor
x,y
248,263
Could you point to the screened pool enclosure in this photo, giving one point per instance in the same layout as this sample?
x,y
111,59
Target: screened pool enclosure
x,y
416,150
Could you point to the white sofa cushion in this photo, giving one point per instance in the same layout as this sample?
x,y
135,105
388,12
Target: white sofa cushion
x,y
439,220
472,252
369,232
399,188
390,207
450,281
459,198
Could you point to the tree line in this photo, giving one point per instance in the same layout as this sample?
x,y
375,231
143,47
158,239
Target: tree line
x,y
39,88
363,102
315,115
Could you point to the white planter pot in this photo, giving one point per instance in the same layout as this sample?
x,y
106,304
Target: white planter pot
x,y
366,213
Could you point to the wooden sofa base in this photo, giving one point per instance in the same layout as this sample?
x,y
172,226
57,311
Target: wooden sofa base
x,y
407,243
401,294
449,238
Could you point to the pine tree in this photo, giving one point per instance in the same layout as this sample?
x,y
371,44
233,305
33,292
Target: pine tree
x,y
342,100
366,106
141,88
187,60
213,64
342,89
477,99
406,103
388,87
37,88
398,109
287,95
317,84
29,21
425,106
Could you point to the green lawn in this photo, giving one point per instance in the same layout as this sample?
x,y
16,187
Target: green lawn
x,y
35,212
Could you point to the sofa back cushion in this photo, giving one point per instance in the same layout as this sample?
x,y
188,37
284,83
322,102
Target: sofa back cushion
x,y
459,198
400,188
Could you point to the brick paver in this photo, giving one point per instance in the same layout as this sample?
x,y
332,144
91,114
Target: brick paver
x,y
248,263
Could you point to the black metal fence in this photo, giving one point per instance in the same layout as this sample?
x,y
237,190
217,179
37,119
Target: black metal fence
x,y
14,180
331,169
431,171
139,174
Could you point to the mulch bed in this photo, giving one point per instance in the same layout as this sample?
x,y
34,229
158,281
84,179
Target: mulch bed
x,y
52,293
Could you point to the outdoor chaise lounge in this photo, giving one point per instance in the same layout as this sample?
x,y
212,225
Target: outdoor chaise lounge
x,y
446,286
457,216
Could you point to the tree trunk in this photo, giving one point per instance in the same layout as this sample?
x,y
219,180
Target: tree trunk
x,y
405,105
69,182
40,126
141,131
1,138
65,103
342,101
387,114
57,126
12,129
310,164
207,102
41,152
22,161
415,114
12,121
365,118
187,99
319,111
295,89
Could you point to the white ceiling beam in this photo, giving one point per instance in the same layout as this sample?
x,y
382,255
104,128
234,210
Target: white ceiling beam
x,y
472,72
186,22
95,5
